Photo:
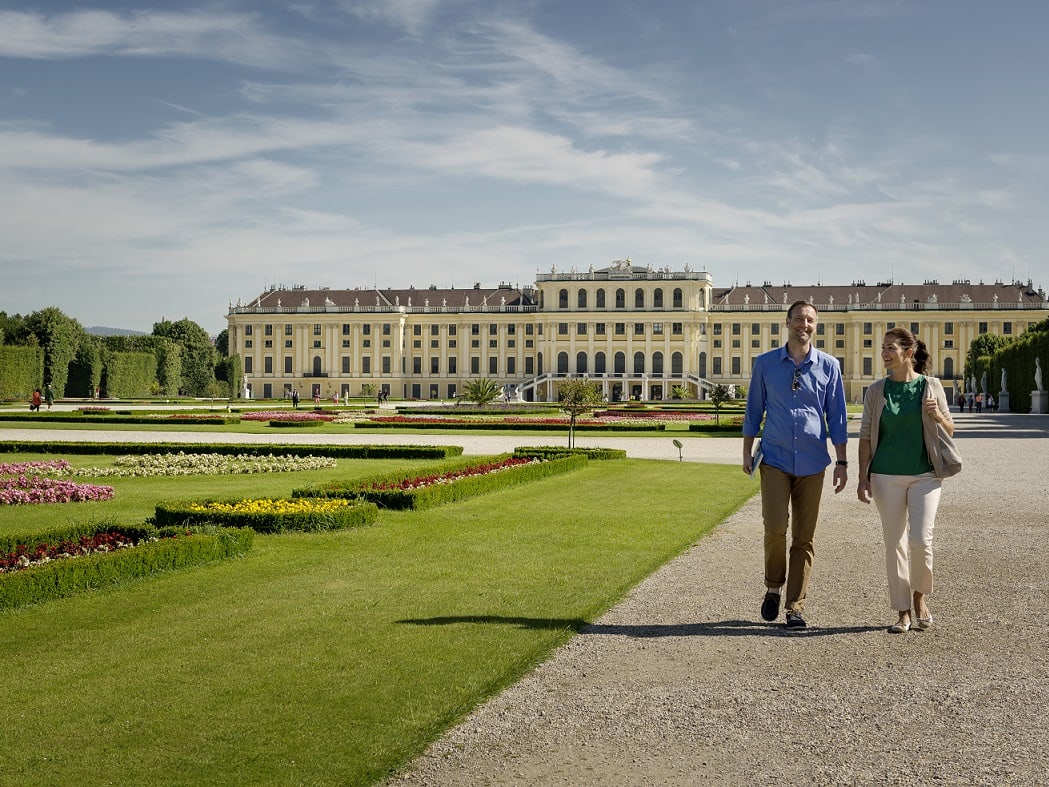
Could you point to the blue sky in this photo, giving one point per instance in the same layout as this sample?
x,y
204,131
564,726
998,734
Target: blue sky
x,y
159,162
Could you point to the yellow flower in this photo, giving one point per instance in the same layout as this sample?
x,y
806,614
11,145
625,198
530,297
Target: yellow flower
x,y
273,506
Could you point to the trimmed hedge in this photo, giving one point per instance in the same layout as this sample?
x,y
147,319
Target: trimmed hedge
x,y
80,416
356,514
439,494
289,424
735,427
508,426
176,549
552,451
252,449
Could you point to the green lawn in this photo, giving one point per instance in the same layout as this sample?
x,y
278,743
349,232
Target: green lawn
x,y
328,658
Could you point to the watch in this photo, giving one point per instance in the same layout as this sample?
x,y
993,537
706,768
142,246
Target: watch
x,y
842,463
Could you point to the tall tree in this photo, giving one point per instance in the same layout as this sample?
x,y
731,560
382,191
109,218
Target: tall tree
x,y
59,337
197,353
222,343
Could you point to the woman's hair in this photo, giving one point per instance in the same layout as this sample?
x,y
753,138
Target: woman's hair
x,y
908,341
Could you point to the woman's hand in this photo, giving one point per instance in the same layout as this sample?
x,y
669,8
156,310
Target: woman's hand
x,y
863,491
933,409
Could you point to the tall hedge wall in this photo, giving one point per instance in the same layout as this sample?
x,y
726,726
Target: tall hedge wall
x,y
21,370
130,374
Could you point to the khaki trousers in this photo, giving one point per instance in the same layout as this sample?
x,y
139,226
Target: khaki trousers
x,y
785,497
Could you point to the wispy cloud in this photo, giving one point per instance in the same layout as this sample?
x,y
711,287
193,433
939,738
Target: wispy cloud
x,y
237,38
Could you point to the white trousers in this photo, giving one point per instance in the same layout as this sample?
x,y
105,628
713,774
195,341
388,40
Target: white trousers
x,y
907,505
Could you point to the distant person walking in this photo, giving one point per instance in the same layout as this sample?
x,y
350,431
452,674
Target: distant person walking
x,y
34,400
295,398
49,396
798,392
901,469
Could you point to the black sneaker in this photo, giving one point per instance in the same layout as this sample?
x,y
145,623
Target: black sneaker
x,y
795,620
770,606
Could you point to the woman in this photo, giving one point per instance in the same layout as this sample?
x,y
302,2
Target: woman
x,y
900,467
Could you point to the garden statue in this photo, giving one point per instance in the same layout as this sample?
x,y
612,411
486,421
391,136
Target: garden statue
x,y
1038,374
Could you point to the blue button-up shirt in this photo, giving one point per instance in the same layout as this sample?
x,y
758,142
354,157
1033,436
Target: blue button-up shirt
x,y
797,423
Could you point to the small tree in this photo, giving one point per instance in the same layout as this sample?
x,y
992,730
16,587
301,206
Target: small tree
x,y
718,394
576,396
482,391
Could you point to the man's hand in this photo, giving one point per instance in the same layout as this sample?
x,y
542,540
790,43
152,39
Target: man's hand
x,y
841,477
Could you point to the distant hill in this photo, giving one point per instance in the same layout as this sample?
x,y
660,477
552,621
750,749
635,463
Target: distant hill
x,y
100,331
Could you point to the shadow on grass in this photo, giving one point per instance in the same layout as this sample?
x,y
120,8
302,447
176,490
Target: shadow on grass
x,y
722,628
557,624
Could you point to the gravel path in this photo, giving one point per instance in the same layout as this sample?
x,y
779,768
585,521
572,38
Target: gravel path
x,y
682,684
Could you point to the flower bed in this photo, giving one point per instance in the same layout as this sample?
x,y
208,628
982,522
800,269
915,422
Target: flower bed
x,y
24,556
287,415
24,489
509,422
270,515
276,449
72,560
419,490
48,467
178,464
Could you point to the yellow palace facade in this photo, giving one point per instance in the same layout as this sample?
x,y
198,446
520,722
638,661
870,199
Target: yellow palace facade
x,y
637,332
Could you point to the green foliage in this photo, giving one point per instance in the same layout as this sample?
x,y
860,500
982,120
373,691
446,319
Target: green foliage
x,y
85,371
718,395
450,491
681,392
481,391
61,578
732,426
230,370
576,396
1017,358
21,370
198,355
222,343
129,374
59,337
551,452
232,449
289,423
983,346
12,329
179,514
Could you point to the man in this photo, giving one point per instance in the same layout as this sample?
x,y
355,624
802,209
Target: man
x,y
798,391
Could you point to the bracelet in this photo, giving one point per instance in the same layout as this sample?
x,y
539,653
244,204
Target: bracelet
x,y
842,463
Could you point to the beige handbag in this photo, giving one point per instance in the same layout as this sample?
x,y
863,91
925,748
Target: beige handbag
x,y
943,453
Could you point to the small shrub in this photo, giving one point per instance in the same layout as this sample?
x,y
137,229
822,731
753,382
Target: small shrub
x,y
269,515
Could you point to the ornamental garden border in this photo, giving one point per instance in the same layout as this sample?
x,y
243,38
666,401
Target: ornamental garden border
x,y
155,550
417,490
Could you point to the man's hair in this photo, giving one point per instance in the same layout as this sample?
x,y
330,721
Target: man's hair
x,y
790,311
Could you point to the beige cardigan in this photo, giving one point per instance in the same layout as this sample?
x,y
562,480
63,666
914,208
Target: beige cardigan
x,y
874,403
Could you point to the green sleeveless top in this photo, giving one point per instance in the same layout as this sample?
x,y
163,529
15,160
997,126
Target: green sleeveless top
x,y
901,447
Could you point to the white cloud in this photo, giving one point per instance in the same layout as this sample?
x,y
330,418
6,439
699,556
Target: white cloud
x,y
200,34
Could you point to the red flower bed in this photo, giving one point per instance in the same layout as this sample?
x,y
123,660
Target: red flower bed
x,y
419,482
24,557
